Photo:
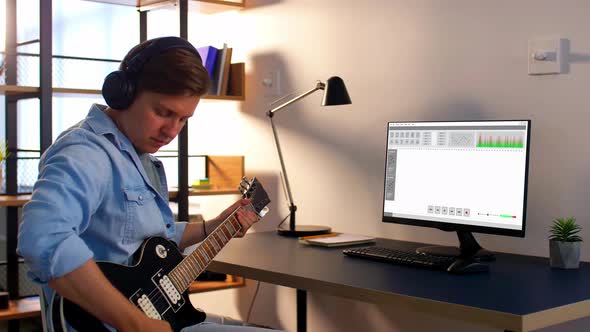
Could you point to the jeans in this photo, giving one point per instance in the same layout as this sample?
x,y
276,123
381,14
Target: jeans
x,y
215,323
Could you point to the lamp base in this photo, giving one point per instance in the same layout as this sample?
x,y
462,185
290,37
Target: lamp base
x,y
304,230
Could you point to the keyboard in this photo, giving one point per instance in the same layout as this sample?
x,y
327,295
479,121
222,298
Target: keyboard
x,y
401,257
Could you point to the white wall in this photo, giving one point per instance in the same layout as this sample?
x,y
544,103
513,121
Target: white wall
x,y
401,60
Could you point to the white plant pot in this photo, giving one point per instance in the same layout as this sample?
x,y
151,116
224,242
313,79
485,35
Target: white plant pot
x,y
564,255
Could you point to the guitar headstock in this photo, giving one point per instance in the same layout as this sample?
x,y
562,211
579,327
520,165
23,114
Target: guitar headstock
x,y
253,190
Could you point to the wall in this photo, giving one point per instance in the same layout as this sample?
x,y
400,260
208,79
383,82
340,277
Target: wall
x,y
401,60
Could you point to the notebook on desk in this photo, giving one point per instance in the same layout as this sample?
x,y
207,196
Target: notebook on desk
x,y
336,239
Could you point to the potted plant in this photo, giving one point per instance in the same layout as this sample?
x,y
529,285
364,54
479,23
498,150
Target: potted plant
x,y
3,155
564,243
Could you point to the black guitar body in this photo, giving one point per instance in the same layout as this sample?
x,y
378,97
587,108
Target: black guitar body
x,y
156,258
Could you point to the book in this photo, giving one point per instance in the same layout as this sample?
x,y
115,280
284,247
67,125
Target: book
x,y
222,70
215,88
225,72
201,186
336,239
209,56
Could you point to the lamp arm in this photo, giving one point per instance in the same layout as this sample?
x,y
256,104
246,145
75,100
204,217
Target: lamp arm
x,y
319,86
278,145
270,114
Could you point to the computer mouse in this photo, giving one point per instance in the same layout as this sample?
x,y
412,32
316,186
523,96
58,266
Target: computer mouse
x,y
464,266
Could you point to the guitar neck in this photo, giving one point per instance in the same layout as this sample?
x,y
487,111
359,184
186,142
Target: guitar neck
x,y
194,264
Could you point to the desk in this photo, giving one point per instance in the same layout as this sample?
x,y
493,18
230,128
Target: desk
x,y
521,293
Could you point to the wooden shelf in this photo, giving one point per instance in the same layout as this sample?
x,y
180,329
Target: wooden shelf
x,y
13,90
236,98
16,89
172,194
237,4
22,308
14,200
20,200
76,91
206,286
149,4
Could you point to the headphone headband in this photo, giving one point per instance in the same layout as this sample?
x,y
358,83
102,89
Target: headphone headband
x,y
157,46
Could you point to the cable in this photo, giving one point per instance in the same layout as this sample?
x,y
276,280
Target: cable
x,y
252,303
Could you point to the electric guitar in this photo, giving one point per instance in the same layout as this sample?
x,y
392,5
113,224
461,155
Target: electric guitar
x,y
158,283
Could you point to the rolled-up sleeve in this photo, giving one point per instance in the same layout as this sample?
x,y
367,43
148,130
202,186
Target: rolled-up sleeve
x,y
72,179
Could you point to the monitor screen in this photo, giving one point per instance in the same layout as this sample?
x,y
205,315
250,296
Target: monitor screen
x,y
458,176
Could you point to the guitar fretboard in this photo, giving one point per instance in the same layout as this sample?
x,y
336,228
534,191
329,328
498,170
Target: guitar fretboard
x,y
194,264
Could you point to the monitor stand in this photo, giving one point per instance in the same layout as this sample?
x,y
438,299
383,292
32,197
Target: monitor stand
x,y
469,248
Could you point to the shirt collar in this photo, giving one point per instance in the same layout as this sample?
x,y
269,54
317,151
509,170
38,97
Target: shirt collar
x,y
103,125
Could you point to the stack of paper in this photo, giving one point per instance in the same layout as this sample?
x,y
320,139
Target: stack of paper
x,y
336,239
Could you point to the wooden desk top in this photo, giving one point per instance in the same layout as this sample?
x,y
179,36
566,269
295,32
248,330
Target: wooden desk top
x,y
520,293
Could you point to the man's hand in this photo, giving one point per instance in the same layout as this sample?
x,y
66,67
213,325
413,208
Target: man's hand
x,y
245,217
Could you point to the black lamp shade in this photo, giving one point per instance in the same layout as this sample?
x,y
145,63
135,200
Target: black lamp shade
x,y
335,92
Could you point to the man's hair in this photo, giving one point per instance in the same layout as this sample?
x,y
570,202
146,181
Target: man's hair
x,y
176,71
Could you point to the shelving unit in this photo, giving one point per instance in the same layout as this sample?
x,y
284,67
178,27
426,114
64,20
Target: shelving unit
x,y
12,200
45,90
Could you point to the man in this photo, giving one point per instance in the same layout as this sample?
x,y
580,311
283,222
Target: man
x,y
100,193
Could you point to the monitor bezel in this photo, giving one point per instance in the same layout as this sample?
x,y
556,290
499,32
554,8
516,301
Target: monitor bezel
x,y
454,226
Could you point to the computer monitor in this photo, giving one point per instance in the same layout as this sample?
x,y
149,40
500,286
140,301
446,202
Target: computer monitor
x,y
463,176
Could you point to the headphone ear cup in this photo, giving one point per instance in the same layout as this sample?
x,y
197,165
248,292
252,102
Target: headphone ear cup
x,y
118,90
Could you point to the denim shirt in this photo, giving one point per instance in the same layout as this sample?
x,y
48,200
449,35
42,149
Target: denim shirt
x,y
93,199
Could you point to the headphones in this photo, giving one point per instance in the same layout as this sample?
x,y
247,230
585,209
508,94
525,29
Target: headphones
x,y
119,87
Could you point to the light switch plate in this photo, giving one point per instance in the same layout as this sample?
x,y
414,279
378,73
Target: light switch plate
x,y
271,82
545,55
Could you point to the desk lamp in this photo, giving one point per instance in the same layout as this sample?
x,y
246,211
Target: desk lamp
x,y
334,94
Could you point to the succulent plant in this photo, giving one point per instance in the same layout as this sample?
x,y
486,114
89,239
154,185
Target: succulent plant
x,y
4,151
565,230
